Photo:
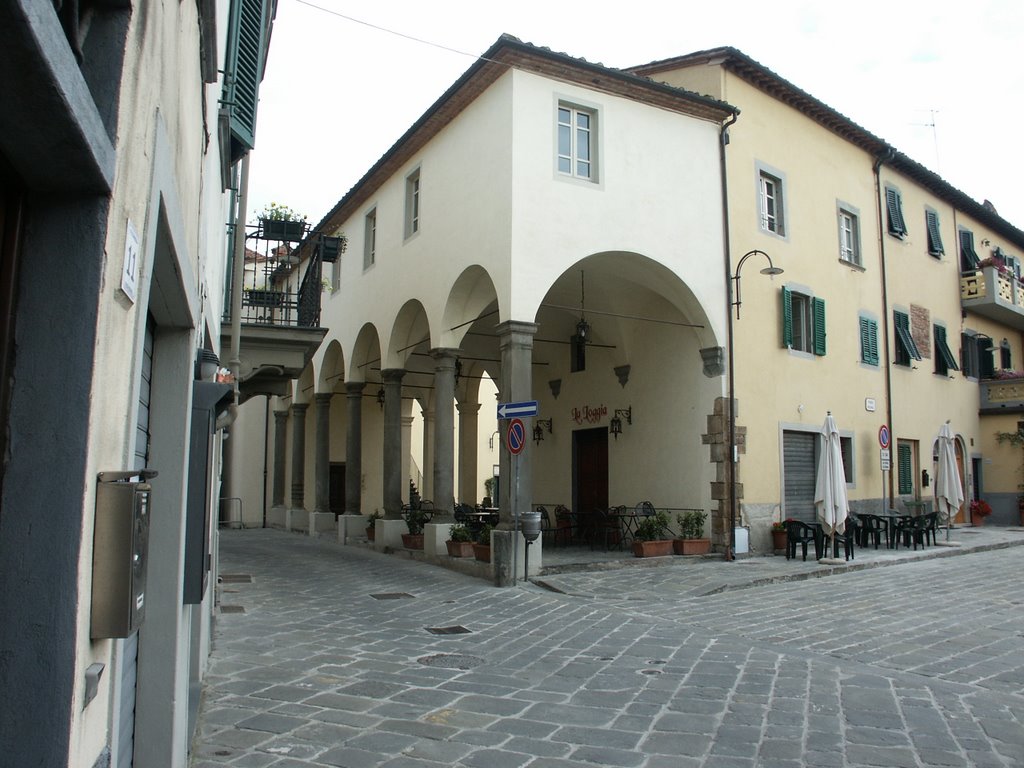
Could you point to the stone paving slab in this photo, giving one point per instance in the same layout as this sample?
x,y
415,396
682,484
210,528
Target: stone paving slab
x,y
917,664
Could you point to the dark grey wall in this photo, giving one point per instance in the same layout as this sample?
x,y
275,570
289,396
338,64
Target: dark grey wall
x,y
44,480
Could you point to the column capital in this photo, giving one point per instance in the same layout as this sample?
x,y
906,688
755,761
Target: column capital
x,y
323,398
299,408
444,355
280,415
467,409
355,388
523,327
393,375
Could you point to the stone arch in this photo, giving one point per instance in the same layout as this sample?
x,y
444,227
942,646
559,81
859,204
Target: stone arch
x,y
304,386
332,370
471,298
410,332
366,354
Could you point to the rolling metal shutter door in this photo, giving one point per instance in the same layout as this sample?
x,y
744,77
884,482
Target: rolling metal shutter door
x,y
798,472
130,645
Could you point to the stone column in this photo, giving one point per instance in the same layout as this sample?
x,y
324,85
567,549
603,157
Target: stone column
x,y
515,339
322,466
469,493
392,458
354,449
297,515
280,456
444,430
406,425
427,486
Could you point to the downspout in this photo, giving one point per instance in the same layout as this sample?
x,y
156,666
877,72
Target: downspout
x,y
237,277
730,551
876,168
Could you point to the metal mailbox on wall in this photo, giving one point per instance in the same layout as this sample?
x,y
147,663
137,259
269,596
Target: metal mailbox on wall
x,y
119,553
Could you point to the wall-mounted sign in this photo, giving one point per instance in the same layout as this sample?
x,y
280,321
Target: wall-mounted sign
x,y
869,404
130,268
589,414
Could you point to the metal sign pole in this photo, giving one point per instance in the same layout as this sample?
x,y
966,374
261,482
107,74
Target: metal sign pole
x,y
515,517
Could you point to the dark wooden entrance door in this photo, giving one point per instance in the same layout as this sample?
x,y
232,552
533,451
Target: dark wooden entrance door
x,y
589,473
336,488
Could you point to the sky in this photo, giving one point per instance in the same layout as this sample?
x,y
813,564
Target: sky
x,y
942,82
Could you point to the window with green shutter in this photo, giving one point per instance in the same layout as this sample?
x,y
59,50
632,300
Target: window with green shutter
x,y
905,466
244,71
931,220
969,260
803,322
944,360
868,341
894,209
906,349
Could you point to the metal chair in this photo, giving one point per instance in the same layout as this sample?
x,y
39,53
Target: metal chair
x,y
800,534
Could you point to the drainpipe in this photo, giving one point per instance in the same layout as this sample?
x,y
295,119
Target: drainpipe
x,y
237,277
730,551
876,168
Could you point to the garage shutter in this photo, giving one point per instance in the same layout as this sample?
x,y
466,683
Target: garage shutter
x,y
798,472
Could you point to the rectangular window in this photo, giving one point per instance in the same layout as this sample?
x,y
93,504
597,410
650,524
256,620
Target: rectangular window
x,y
771,201
931,221
1004,356
868,341
412,203
969,260
894,209
976,358
905,468
803,322
576,142
370,240
944,360
849,237
906,349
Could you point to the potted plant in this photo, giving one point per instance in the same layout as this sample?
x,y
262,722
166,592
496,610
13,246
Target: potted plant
x,y
779,536
370,521
415,518
652,537
279,222
482,543
460,541
980,509
691,539
332,246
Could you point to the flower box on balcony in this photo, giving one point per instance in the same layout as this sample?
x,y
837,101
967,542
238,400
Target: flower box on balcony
x,y
282,229
263,298
331,248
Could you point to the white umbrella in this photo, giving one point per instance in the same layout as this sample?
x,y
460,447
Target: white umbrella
x,y
830,489
949,494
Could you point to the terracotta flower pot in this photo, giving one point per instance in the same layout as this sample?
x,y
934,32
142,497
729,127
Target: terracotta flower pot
x,y
370,532
658,548
482,552
778,540
459,548
691,546
412,540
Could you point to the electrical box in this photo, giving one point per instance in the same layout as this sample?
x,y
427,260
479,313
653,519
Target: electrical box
x,y
119,553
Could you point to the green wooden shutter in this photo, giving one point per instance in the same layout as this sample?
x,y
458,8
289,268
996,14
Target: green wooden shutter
x,y
986,362
894,207
787,318
818,312
934,235
244,69
868,341
906,469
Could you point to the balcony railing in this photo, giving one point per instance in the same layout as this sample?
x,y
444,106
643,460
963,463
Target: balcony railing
x,y
1003,395
993,293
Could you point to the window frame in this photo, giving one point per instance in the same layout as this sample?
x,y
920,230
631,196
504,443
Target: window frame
x,y
778,225
976,356
906,348
969,260
895,222
853,215
932,227
413,203
798,302
370,239
573,158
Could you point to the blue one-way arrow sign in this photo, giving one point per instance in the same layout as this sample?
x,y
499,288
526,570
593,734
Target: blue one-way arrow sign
x,y
514,410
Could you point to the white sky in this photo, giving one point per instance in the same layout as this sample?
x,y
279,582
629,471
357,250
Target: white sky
x,y
338,93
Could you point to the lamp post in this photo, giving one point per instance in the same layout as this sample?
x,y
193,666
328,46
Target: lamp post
x,y
733,297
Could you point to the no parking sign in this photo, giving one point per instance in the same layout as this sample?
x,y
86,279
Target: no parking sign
x,y
515,438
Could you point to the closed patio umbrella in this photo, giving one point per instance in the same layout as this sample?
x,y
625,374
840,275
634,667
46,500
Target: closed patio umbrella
x,y
949,493
830,489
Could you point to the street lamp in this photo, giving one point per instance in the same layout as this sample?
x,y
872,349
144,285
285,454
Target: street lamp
x,y
733,290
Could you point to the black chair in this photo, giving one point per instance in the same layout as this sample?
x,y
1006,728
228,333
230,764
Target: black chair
x,y
566,525
848,538
801,534
605,528
911,531
547,531
871,530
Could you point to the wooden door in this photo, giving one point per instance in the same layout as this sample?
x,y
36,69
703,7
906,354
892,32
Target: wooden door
x,y
589,473
336,489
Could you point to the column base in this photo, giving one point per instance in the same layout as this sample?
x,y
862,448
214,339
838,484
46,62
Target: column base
x,y
389,533
351,528
277,517
321,522
296,520
434,537
508,557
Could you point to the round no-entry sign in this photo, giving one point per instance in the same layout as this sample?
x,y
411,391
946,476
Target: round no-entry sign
x,y
515,438
883,436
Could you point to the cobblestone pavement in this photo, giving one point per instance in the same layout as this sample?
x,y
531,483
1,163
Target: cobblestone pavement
x,y
325,659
